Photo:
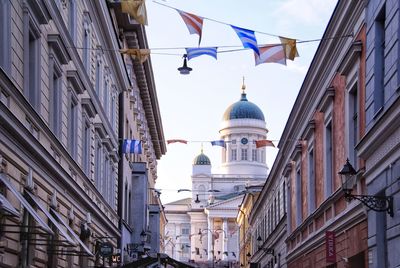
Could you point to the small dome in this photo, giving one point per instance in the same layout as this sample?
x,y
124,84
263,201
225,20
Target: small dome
x,y
201,159
243,109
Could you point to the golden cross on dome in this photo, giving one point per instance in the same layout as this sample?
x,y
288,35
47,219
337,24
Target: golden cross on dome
x,y
243,86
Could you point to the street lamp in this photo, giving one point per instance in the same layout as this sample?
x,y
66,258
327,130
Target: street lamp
x,y
143,237
378,203
260,246
184,69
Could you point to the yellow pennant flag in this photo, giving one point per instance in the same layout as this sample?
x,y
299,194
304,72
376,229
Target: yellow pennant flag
x,y
135,8
140,54
290,47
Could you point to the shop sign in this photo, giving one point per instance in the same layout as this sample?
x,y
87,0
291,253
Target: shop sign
x,y
116,258
330,246
106,249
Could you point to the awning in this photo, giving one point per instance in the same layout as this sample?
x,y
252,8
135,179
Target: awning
x,y
73,234
53,221
5,206
25,204
163,259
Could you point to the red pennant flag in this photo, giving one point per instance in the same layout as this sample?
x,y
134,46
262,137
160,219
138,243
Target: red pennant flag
x,y
176,140
263,143
193,23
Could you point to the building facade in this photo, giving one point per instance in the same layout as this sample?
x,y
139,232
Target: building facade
x,y
211,213
67,98
320,228
379,146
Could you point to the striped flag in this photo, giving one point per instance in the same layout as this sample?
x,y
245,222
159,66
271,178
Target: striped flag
x,y
195,52
264,143
247,37
290,47
176,140
193,23
271,54
218,143
132,147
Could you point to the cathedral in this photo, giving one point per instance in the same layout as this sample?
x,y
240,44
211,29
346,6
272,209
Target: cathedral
x,y
202,230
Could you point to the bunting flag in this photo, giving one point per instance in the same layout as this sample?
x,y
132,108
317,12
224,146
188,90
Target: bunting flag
x,y
247,37
174,141
132,147
264,143
270,54
195,52
218,143
141,54
193,23
136,9
290,47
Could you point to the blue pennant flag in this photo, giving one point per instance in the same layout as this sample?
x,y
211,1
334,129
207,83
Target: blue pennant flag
x,y
247,37
218,143
195,52
132,147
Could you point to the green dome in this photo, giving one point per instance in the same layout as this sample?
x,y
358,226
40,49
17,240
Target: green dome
x,y
201,159
243,109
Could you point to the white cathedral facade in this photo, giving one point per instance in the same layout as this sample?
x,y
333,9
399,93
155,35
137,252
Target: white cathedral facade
x,y
202,230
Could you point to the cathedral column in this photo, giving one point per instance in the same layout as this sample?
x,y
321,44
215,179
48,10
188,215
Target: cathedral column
x,y
210,239
225,239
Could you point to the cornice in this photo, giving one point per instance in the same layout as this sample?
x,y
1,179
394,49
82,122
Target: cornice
x,y
58,48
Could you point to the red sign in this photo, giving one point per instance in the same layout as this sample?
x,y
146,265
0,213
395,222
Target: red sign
x,y
330,246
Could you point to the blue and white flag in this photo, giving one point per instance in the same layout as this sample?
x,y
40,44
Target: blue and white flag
x,y
218,143
247,37
193,52
132,147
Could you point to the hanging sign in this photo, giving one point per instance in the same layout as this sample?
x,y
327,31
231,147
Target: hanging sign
x,y
330,246
106,249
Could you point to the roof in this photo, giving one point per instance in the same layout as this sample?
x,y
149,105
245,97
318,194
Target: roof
x,y
201,159
243,109
184,201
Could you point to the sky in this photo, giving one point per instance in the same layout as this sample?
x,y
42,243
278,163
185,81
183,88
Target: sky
x,y
192,106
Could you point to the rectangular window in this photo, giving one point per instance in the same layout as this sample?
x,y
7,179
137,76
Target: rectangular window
x,y
73,126
254,154
328,160
86,46
185,231
262,156
72,19
289,208
105,177
353,126
98,161
32,68
113,112
299,203
311,182
244,154
279,206
98,76
111,186
5,35
55,101
379,53
86,147
105,96
233,155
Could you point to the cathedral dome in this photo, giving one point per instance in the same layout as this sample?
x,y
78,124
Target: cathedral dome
x,y
243,109
201,159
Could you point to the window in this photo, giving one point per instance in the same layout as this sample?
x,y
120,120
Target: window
x,y
73,125
379,67
185,231
86,46
98,161
254,155
353,125
279,205
113,110
244,154
262,156
233,155
128,213
105,178
289,208
32,62
127,202
86,146
5,35
299,216
98,75
72,19
111,186
55,97
106,93
328,160
311,182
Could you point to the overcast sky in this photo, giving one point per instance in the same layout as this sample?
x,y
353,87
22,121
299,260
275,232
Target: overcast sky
x,y
192,106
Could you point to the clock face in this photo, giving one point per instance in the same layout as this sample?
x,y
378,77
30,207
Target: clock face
x,y
244,141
